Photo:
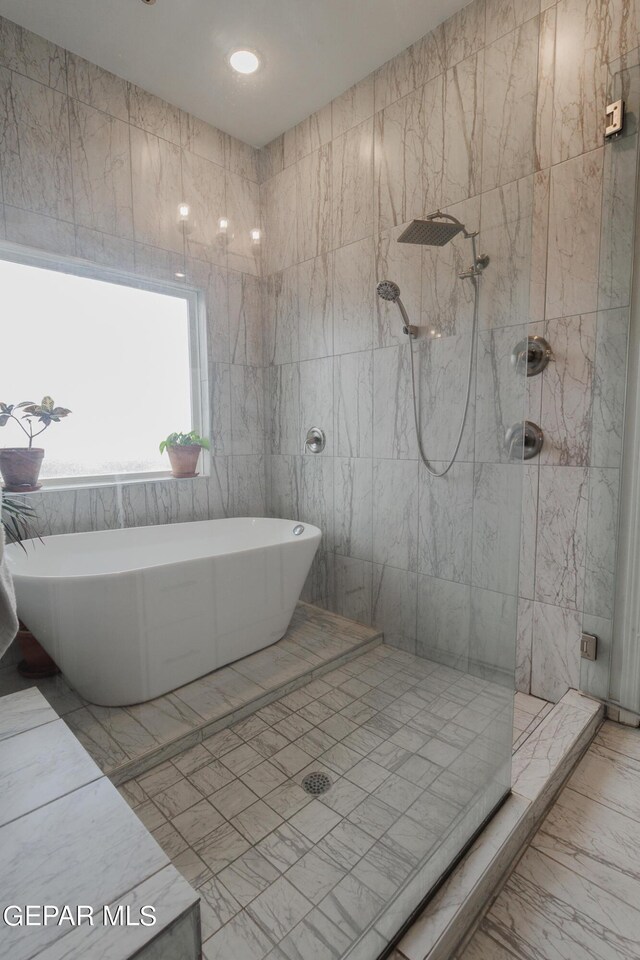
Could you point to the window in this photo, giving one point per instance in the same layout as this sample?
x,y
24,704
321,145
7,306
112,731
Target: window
x,y
122,354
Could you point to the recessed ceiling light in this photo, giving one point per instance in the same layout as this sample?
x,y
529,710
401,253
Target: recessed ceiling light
x,y
244,61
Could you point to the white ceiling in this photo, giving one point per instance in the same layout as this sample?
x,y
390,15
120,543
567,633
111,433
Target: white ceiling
x,y
177,49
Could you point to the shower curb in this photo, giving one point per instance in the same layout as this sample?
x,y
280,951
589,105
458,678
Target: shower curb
x,y
541,767
135,768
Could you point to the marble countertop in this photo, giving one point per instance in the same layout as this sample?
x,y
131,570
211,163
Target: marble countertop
x,y
67,837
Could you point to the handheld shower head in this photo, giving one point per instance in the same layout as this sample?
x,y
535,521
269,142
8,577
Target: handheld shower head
x,y
388,290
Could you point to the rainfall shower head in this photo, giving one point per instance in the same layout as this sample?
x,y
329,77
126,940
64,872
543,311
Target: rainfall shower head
x,y
388,290
436,230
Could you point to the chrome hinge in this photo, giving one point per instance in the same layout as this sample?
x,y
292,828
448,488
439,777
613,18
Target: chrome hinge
x,y
614,119
588,646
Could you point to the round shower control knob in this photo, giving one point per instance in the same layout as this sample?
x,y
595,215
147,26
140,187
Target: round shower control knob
x,y
524,440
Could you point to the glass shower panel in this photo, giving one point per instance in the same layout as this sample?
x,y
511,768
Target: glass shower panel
x,y
603,677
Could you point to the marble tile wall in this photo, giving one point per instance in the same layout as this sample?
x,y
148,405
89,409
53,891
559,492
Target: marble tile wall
x,y
495,116
93,167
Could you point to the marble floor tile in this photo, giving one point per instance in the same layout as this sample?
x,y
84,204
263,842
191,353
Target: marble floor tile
x,y
211,777
198,821
264,778
279,908
233,798
222,903
284,847
315,820
222,847
177,798
256,821
313,938
287,799
248,876
241,937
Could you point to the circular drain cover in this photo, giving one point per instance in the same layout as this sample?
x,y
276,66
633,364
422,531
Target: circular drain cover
x,y
316,783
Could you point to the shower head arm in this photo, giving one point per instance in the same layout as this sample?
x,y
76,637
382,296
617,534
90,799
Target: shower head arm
x,y
438,215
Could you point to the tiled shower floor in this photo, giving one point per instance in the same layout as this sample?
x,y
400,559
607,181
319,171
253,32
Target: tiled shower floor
x,y
406,743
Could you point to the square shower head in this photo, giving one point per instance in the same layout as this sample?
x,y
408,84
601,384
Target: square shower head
x,y
431,233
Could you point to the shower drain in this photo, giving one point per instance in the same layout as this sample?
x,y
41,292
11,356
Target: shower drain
x,y
316,783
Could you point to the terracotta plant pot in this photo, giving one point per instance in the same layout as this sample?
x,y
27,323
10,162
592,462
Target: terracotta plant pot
x,y
184,459
20,468
36,662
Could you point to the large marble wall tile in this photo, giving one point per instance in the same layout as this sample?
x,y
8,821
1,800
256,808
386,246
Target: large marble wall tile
x,y
245,319
555,658
157,191
150,261
539,240
316,495
463,96
241,158
214,283
609,388
561,543
618,223
464,33
446,508
395,513
280,317
500,392
394,605
316,400
397,78
278,202
528,530
510,108
602,534
219,488
154,115
204,189
313,132
35,230
506,236
247,409
36,58
524,640
34,147
442,368
447,300
101,165
242,208
496,526
580,79
566,391
220,412
284,495
444,611
546,74
352,107
393,421
284,394
97,87
104,249
353,404
503,16
313,205
399,152
353,492
271,159
248,486
352,184
401,263
492,650
354,290
574,230
315,299
353,583
201,138
289,147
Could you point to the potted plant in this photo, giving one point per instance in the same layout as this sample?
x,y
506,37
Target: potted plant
x,y
184,450
20,466
18,518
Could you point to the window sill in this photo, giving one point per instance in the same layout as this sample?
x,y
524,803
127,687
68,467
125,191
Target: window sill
x,y
92,483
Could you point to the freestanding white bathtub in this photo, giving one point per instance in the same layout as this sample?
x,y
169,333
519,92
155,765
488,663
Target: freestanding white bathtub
x,y
131,614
